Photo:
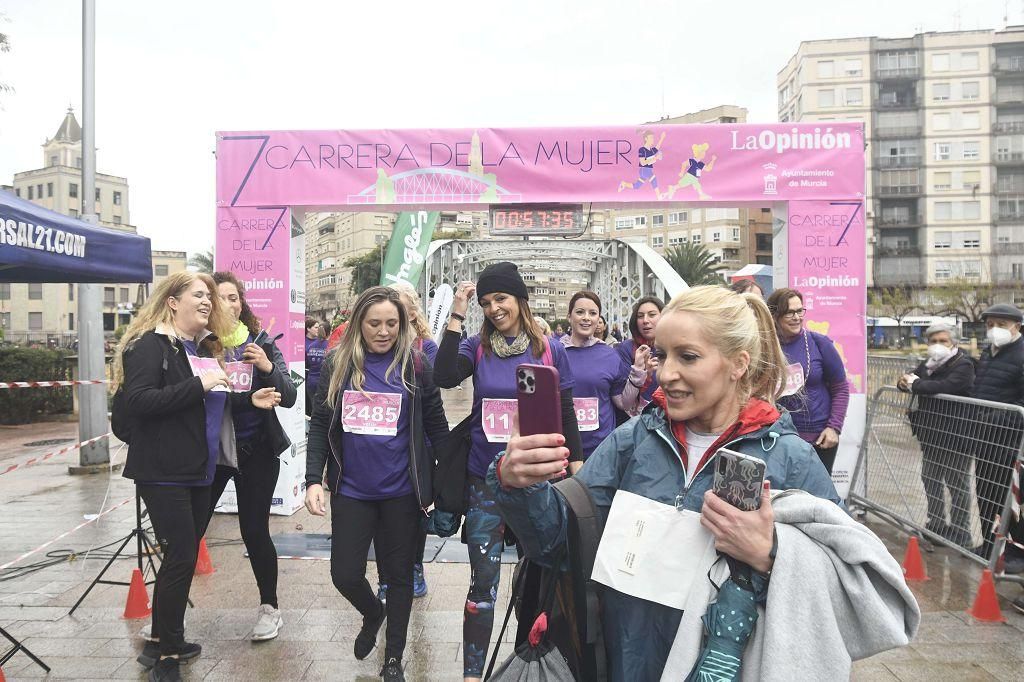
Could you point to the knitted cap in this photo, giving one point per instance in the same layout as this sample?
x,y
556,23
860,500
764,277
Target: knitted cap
x,y
501,277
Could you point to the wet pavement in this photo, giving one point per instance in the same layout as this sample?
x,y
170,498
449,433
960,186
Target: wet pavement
x,y
40,502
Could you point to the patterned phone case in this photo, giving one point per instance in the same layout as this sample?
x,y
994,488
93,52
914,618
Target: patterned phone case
x,y
738,479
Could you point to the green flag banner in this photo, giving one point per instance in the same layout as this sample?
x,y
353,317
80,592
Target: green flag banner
x,y
408,247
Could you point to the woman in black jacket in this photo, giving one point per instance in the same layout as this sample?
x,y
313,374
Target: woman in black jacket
x,y
936,423
375,403
259,441
176,397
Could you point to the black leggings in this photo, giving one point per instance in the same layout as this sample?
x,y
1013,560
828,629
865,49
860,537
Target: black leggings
x,y
393,524
179,515
255,480
421,549
827,456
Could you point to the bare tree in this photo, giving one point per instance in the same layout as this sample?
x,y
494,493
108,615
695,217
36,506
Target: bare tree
x,y
895,302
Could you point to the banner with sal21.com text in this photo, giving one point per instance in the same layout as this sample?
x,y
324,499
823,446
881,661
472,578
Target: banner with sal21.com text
x,y
827,264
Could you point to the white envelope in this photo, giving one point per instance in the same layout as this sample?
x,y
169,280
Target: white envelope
x,y
651,550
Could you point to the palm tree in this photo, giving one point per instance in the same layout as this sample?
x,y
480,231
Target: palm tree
x,y
202,262
695,264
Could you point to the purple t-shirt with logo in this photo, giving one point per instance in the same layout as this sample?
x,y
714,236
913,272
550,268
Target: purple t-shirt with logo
x,y
376,467
600,373
495,377
429,349
215,402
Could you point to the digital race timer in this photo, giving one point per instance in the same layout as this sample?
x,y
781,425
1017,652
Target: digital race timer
x,y
538,219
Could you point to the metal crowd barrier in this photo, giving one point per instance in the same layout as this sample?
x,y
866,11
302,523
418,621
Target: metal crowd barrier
x,y
941,467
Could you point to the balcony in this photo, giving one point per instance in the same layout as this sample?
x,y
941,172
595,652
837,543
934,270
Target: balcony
x,y
898,131
898,221
1009,216
1008,127
1009,65
1010,96
1008,158
901,73
1009,248
896,103
911,251
897,270
897,190
904,161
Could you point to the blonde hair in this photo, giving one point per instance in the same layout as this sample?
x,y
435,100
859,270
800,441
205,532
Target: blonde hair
x,y
419,325
734,323
156,312
543,324
350,354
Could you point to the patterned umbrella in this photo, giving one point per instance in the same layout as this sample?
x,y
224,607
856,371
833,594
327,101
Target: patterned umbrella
x,y
728,624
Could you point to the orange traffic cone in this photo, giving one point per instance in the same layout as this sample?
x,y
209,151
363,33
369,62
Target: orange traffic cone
x,y
2,678
203,564
137,605
986,603
913,564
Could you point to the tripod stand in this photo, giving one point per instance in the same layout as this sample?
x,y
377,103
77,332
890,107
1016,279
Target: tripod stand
x,y
142,540
18,646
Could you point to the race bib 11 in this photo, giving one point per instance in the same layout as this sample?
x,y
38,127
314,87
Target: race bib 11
x,y
371,414
496,416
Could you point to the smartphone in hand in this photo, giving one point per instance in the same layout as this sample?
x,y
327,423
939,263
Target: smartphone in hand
x,y
539,398
739,479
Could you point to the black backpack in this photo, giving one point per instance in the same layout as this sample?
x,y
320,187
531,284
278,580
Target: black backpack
x,y
121,421
574,623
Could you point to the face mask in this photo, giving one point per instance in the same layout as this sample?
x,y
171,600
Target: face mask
x,y
937,352
999,336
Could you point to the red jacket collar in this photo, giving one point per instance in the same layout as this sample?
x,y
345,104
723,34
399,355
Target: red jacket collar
x,y
755,415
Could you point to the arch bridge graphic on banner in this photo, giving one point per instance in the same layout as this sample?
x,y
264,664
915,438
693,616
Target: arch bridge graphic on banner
x,y
434,186
811,175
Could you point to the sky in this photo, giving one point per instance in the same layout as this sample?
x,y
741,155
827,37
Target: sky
x,y
169,75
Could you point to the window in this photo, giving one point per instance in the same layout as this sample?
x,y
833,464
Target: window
x,y
943,210
5,320
826,98
39,190
716,235
73,190
108,295
971,120
971,150
160,270
71,292
968,61
826,69
971,210
31,192
54,159
71,322
17,191
657,241
972,269
942,240
624,223
117,220
117,198
35,322
940,62
5,291
970,179
764,242
967,240
658,220
35,291
854,96
78,162
970,90
97,194
676,240
943,270
940,121
124,294
852,67
942,151
943,181
49,189
734,234
73,212
940,92
696,238
1017,271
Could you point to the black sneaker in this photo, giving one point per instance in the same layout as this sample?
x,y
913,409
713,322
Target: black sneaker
x,y
150,655
166,670
367,637
392,671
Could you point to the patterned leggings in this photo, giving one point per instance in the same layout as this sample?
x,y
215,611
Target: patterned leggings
x,y
485,533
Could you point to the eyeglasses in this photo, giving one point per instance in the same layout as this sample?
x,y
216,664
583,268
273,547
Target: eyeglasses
x,y
792,314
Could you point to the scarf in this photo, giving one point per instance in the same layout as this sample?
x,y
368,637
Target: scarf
x,y
504,349
567,342
238,337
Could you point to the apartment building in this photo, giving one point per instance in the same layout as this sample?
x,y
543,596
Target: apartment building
x,y
45,312
944,119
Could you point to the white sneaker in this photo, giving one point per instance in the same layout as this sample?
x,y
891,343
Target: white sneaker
x,y
267,624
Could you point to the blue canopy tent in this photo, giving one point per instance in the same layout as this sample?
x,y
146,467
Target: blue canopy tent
x,y
40,245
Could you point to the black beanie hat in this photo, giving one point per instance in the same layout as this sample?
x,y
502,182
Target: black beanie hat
x,y
501,277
